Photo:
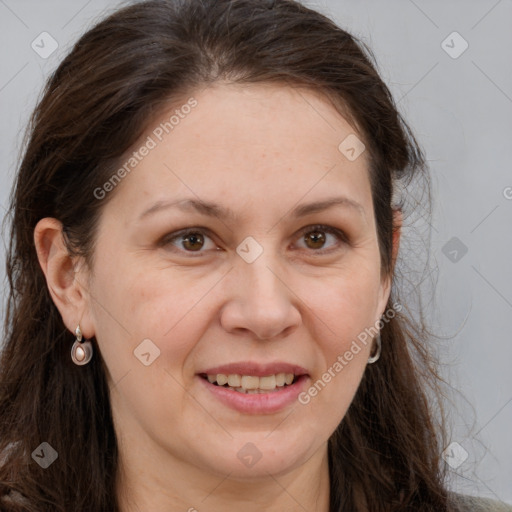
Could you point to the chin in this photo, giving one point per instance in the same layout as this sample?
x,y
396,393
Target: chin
x,y
251,455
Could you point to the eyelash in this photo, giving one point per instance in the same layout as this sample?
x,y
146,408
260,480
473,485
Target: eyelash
x,y
168,239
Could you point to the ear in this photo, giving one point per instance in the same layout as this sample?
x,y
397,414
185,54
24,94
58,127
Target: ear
x,y
386,285
397,231
63,278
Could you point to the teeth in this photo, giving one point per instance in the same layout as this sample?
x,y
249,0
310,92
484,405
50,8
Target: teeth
x,y
234,381
268,382
222,379
250,383
280,379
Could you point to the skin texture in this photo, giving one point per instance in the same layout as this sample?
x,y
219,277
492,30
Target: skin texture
x,y
260,150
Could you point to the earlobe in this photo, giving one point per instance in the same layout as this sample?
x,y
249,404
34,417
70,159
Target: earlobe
x,y
59,269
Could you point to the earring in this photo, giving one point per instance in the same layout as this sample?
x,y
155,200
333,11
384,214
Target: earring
x,y
375,358
81,352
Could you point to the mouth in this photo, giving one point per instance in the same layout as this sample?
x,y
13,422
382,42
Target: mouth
x,y
252,384
253,388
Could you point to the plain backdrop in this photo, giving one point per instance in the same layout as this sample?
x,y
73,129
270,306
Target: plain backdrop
x,y
448,65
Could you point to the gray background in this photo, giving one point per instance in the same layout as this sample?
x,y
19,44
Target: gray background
x,y
460,109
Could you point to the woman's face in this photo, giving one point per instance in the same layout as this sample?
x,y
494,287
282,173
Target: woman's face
x,y
256,292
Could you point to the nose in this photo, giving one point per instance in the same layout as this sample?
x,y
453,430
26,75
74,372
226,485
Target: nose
x,y
261,302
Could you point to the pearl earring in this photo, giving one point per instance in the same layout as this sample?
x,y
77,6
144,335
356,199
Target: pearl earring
x,y
81,352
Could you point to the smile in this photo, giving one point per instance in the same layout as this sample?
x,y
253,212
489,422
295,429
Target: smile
x,y
251,384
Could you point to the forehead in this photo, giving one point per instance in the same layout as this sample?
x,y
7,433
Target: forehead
x,y
247,144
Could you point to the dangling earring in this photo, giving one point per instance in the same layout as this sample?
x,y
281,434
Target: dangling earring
x,y
375,357
81,352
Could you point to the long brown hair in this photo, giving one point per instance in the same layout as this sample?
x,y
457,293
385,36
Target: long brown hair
x,y
384,456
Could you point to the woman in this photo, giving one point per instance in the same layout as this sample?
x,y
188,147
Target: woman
x,y
202,313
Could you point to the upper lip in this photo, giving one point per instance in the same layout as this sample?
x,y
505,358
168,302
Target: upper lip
x,y
255,369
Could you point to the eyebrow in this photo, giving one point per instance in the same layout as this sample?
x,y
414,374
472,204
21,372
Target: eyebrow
x,y
221,212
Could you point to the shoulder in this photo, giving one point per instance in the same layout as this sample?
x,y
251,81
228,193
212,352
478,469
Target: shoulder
x,y
463,503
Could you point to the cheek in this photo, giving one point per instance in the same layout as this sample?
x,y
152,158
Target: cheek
x,y
134,302
147,324
345,305
343,311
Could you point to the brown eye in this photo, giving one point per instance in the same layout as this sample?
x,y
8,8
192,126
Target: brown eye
x,y
316,239
193,241
188,241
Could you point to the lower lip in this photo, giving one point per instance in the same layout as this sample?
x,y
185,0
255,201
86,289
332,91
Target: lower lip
x,y
257,403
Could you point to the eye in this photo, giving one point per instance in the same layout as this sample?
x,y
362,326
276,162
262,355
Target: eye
x,y
315,237
191,240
